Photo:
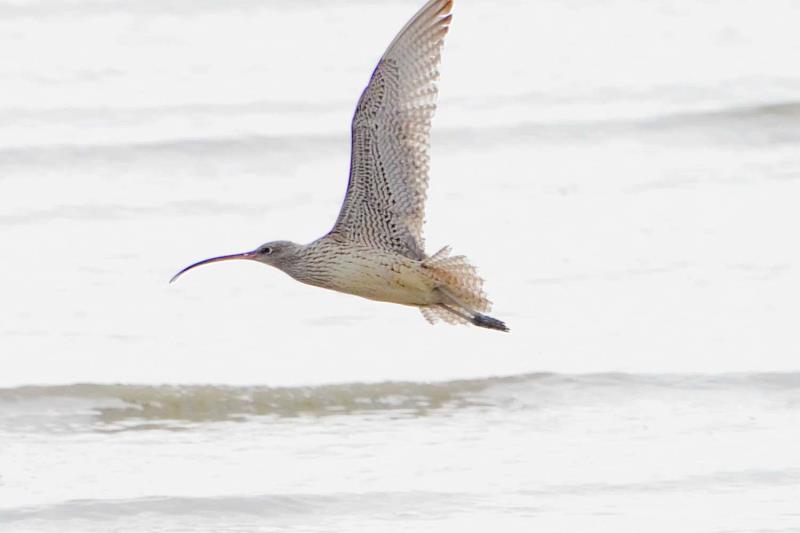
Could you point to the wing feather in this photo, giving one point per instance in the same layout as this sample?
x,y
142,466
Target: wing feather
x,y
385,202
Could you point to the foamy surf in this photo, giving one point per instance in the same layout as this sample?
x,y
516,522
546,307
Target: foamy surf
x,y
147,406
519,452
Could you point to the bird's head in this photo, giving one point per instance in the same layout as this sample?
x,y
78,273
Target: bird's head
x,y
275,253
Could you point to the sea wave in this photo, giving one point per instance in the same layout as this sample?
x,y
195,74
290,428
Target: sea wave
x,y
770,124
197,403
117,403
259,505
248,145
760,125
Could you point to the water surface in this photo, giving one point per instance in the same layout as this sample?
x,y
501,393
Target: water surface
x,y
624,174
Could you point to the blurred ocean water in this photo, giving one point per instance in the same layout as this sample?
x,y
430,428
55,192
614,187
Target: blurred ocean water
x,y
603,452
625,175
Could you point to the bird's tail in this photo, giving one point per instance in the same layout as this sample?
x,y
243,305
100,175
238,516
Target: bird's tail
x,y
463,299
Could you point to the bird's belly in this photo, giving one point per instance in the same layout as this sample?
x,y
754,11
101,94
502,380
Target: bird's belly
x,y
402,282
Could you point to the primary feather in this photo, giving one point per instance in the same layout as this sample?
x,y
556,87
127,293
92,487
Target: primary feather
x,y
385,201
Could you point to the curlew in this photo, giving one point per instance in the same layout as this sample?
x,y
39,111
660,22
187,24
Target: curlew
x,y
376,249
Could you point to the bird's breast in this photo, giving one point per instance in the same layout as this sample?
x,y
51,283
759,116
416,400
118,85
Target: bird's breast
x,y
375,275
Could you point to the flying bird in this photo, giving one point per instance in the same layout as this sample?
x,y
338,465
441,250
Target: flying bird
x,y
376,249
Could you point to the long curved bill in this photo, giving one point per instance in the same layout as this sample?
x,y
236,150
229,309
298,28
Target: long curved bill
x,y
245,255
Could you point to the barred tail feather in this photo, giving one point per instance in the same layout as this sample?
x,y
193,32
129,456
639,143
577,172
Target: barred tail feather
x,y
459,279
435,313
463,299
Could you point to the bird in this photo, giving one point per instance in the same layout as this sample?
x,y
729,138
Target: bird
x,y
376,248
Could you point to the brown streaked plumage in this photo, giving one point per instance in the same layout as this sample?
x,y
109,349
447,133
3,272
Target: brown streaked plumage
x,y
375,249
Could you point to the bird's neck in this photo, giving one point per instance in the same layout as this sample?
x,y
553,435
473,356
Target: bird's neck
x,y
308,264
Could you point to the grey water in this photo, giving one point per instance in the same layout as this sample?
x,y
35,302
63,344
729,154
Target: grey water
x,y
607,452
625,175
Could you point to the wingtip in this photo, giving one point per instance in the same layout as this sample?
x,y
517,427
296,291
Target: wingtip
x,y
445,27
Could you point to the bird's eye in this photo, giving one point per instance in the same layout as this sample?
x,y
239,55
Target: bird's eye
x,y
266,250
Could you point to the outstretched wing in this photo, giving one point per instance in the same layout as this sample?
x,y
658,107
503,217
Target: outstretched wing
x,y
385,202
